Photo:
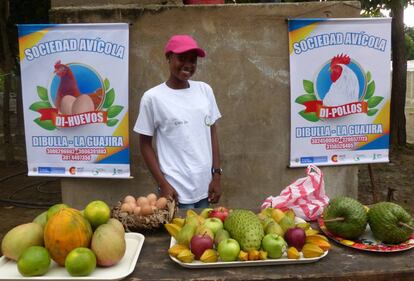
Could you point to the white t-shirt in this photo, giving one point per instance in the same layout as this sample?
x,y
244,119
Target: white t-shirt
x,y
180,120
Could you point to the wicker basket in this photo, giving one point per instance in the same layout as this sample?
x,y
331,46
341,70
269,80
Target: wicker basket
x,y
133,223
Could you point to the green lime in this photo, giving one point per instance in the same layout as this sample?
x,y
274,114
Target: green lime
x,y
97,213
34,261
54,209
80,262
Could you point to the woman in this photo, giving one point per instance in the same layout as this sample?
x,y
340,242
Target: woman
x,y
181,113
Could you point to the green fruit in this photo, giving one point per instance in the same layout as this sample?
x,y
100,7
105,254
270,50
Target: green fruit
x,y
97,213
387,221
353,214
245,227
80,262
54,209
21,237
34,261
274,228
220,236
185,234
286,223
41,219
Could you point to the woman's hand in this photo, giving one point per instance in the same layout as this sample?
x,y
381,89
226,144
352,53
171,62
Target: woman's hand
x,y
214,189
168,191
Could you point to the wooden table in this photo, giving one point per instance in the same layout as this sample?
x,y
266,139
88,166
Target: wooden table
x,y
341,263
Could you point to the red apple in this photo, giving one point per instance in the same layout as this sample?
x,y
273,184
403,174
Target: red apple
x,y
295,237
220,213
200,243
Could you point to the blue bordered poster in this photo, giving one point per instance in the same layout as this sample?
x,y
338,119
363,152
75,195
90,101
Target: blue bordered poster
x,y
75,99
340,75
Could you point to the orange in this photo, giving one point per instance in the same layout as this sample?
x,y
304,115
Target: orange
x,y
34,261
97,213
80,262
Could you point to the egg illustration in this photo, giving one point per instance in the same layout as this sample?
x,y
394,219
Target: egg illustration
x,y
66,104
83,103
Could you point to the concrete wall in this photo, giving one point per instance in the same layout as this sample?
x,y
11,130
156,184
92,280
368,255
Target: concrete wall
x,y
247,66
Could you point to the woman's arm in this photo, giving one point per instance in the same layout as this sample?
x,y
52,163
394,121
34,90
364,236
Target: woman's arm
x,y
148,153
214,189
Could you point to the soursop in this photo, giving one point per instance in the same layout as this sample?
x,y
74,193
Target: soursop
x,y
245,227
353,214
387,221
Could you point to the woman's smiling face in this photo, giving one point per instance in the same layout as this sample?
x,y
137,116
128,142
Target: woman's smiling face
x,y
182,67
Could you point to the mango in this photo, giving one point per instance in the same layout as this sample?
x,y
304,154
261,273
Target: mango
x,y
108,245
21,237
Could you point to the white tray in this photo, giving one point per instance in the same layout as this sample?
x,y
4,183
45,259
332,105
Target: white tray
x,y
134,242
282,260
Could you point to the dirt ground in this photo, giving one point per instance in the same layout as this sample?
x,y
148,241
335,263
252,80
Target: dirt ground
x,y
22,197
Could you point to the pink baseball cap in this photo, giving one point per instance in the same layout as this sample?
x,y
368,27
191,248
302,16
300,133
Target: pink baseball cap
x,y
179,44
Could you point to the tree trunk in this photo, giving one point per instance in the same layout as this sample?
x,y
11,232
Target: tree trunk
x,y
8,65
399,77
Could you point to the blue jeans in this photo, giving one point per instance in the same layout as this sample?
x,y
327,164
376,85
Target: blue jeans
x,y
203,203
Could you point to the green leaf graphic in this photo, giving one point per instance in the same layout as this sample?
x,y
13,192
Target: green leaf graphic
x,y
308,86
310,116
106,84
374,101
111,122
305,98
368,76
114,110
370,90
45,124
109,98
39,105
372,112
42,93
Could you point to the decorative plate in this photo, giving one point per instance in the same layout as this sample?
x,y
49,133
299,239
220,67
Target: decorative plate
x,y
366,241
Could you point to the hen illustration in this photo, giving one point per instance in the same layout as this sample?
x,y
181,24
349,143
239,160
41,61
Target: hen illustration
x,y
68,93
344,88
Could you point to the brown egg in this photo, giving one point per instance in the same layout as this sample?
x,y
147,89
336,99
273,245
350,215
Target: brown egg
x,y
82,104
142,201
66,104
137,210
127,208
161,203
146,210
152,198
129,199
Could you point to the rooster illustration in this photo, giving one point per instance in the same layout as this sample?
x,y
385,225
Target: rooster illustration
x,y
344,88
69,86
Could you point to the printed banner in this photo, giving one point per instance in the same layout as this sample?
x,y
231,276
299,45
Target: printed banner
x,y
340,73
75,99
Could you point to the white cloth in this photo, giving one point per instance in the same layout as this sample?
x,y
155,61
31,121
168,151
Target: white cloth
x,y
180,120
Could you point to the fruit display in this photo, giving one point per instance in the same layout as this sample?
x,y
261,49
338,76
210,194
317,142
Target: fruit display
x,y
223,235
65,236
144,212
383,227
